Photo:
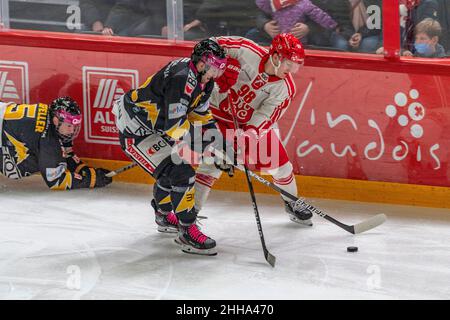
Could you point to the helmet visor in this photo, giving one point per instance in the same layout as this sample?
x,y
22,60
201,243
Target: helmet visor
x,y
69,125
215,66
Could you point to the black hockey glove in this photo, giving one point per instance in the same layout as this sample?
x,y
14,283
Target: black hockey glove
x,y
101,179
225,167
226,159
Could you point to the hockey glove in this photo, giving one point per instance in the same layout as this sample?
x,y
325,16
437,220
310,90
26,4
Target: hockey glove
x,y
227,159
230,76
101,180
225,167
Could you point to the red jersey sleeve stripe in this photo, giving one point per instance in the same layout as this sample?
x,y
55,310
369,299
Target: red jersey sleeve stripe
x,y
291,86
236,43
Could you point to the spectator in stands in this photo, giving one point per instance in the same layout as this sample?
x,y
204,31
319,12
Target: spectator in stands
x,y
193,27
135,18
353,32
368,35
94,13
358,29
267,28
426,45
292,14
444,19
231,17
339,10
412,12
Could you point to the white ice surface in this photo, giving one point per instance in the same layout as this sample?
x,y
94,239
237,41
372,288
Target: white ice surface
x,y
103,244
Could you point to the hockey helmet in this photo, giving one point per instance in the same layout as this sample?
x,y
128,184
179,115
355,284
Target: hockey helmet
x,y
212,54
68,112
289,47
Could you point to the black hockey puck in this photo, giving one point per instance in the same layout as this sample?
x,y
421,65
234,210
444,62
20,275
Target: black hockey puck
x,y
352,249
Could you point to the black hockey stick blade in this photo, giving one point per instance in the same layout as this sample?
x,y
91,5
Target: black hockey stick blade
x,y
270,258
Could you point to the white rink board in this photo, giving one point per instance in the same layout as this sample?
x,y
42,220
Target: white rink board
x,y
103,244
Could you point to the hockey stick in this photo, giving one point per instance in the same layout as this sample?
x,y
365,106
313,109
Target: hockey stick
x,y
267,255
361,227
120,170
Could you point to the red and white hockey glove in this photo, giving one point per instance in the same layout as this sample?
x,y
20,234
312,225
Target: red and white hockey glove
x,y
230,76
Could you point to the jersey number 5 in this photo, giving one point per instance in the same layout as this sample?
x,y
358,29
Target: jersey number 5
x,y
18,111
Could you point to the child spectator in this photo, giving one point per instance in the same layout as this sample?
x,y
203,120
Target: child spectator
x,y
411,13
266,29
289,13
426,45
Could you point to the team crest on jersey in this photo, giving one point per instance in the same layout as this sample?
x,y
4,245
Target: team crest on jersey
x,y
259,81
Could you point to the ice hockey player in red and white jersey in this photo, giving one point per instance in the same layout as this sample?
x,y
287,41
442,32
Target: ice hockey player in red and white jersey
x,y
258,83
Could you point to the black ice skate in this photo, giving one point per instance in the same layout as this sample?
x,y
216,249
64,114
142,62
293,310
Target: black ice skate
x,y
298,214
192,240
167,222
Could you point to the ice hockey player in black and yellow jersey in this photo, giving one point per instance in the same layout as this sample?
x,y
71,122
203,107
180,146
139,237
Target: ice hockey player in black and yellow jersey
x,y
38,138
152,118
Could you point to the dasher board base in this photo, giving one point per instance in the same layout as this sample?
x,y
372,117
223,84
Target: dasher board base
x,y
314,187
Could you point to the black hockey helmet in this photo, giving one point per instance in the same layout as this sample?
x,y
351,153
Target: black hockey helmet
x,y
212,54
67,111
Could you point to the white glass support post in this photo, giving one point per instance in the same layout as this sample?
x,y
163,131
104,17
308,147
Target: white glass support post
x,y
175,20
4,13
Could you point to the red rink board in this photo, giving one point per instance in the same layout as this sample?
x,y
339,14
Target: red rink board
x,y
369,123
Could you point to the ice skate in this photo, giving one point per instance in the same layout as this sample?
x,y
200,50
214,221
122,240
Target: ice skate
x,y
298,214
167,222
193,241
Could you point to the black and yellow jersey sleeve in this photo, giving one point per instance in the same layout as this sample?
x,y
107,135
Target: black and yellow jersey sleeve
x,y
60,172
169,101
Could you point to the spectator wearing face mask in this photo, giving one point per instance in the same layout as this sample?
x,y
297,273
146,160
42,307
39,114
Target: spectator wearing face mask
x,y
411,13
426,44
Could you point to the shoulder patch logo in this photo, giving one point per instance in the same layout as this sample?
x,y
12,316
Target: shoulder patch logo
x,y
191,83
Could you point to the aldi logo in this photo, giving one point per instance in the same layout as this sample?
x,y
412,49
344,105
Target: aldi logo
x,y
101,86
108,91
14,85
